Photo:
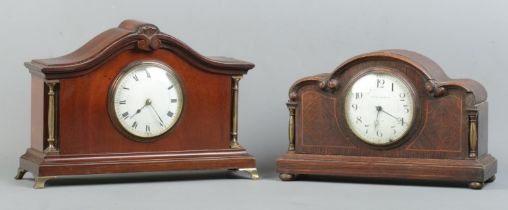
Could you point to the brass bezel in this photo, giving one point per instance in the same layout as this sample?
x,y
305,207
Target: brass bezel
x,y
114,86
411,88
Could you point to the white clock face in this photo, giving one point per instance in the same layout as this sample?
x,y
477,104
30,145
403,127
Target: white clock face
x,y
147,99
379,108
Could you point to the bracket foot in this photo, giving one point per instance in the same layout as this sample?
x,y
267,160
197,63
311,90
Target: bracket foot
x,y
40,181
253,172
20,174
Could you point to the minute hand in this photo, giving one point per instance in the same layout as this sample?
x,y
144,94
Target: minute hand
x,y
162,122
390,114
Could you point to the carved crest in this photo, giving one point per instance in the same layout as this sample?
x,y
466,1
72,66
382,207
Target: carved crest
x,y
149,40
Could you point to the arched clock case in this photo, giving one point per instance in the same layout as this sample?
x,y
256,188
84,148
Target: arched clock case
x,y
134,99
446,140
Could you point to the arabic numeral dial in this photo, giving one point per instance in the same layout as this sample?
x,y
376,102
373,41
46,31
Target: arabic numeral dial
x,y
379,107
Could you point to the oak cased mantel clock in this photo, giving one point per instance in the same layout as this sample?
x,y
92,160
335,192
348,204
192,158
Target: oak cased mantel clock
x,y
134,99
390,114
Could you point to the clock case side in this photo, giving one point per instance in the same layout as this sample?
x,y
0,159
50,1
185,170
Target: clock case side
x,y
129,35
476,166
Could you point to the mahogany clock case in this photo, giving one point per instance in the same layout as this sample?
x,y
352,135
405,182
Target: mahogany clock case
x,y
447,141
72,132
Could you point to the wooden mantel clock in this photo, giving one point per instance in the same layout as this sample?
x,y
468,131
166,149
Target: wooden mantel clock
x,y
390,114
134,99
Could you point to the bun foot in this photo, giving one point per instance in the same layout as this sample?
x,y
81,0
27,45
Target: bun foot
x,y
476,185
287,177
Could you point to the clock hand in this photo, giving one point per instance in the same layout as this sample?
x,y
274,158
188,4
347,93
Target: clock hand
x,y
147,102
390,114
376,123
162,122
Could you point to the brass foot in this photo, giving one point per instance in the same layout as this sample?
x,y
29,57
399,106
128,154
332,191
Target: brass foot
x,y
491,179
476,185
252,171
20,174
287,177
40,181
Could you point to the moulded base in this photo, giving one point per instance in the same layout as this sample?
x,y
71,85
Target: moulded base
x,y
475,172
46,166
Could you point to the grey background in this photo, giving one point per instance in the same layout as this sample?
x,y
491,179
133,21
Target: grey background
x,y
286,40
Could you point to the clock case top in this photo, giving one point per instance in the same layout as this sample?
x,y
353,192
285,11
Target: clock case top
x,y
130,35
450,123
205,136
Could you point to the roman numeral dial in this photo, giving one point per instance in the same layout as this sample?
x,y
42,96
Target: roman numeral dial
x,y
379,107
146,100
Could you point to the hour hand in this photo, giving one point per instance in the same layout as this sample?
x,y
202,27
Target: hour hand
x,y
137,112
147,102
376,122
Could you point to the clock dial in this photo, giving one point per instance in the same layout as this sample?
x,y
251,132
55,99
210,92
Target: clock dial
x,y
147,99
379,108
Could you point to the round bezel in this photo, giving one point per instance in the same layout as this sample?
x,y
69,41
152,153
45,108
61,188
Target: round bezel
x,y
134,66
404,81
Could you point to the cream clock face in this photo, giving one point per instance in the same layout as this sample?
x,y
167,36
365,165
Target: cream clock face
x,y
379,108
147,99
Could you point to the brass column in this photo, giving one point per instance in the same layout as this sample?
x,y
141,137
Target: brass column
x,y
291,126
234,120
51,149
473,135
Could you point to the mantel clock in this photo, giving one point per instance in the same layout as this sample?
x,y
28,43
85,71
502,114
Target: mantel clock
x,y
134,99
390,114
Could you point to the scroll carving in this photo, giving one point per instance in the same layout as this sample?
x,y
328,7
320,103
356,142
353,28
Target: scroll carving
x,y
434,89
149,40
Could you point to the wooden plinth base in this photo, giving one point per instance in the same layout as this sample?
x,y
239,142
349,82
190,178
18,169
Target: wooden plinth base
x,y
45,167
474,172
